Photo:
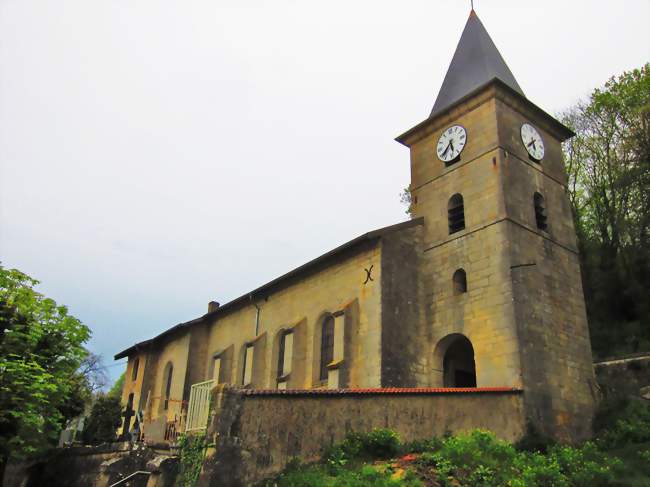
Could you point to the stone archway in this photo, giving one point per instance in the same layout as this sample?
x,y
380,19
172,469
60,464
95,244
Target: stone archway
x,y
455,357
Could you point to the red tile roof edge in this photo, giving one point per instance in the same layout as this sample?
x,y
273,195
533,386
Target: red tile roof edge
x,y
378,391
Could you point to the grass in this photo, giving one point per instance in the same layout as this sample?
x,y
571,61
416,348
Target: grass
x,y
620,456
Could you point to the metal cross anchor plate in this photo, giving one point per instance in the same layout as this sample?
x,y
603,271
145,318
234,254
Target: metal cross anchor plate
x,y
368,274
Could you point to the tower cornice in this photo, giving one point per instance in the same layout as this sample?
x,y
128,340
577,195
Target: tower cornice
x,y
495,88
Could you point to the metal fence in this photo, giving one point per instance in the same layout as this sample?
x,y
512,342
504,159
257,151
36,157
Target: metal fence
x,y
198,409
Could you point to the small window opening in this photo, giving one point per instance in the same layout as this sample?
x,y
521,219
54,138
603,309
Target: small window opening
x,y
540,212
327,346
168,387
460,282
283,338
136,365
216,370
456,213
247,373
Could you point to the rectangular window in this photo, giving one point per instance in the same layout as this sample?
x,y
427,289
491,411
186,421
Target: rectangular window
x,y
216,370
136,366
327,346
248,365
285,354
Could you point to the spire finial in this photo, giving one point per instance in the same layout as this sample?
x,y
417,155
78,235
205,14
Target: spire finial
x,y
472,3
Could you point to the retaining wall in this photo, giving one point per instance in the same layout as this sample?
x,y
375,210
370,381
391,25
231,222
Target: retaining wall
x,y
255,433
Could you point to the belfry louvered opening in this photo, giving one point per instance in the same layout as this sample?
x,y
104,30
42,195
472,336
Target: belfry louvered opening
x,y
456,213
540,211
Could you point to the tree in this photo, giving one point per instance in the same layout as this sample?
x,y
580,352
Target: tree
x,y
41,350
105,418
116,389
608,164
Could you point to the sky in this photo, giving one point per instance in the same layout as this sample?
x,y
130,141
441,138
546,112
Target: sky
x,y
156,155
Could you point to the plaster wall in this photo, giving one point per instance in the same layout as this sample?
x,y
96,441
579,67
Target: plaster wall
x,y
134,386
175,351
303,304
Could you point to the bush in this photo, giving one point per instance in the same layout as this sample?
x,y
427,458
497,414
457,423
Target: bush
x,y
105,417
631,425
422,446
534,440
192,450
381,443
586,466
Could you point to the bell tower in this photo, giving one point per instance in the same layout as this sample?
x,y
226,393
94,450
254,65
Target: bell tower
x,y
504,300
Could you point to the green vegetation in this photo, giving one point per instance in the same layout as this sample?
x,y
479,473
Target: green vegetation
x,y
104,419
191,451
42,384
619,456
608,164
116,388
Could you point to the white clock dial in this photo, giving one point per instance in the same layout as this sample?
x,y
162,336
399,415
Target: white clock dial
x,y
451,143
532,141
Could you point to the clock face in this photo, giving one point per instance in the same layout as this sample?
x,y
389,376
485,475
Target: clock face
x,y
532,141
451,143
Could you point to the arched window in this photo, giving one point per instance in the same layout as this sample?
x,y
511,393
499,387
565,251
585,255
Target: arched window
x,y
326,346
540,211
459,369
460,281
169,368
136,365
456,213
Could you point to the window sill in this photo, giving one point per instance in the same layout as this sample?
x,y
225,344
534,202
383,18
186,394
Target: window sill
x,y
335,365
284,378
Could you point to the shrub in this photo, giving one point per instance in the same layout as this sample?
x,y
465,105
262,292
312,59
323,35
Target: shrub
x,y
421,446
632,425
381,443
105,417
536,470
534,440
480,447
586,466
192,450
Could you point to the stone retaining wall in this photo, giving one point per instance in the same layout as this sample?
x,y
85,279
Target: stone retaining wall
x,y
255,433
96,466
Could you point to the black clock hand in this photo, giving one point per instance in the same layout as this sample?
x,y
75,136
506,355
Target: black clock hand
x,y
446,149
532,142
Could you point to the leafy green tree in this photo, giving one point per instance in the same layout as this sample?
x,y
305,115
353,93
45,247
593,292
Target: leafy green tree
x,y
608,164
41,350
116,389
105,418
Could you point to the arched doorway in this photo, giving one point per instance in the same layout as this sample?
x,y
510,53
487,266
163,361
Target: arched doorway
x,y
458,367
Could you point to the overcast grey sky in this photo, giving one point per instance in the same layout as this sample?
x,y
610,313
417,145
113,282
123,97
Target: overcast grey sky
x,y
155,155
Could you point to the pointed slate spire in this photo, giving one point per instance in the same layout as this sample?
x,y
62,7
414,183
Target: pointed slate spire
x,y
476,62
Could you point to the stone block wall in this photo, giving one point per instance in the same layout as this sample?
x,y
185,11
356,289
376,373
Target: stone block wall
x,y
257,432
96,466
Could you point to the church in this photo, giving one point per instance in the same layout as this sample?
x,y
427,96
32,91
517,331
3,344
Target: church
x,y
478,293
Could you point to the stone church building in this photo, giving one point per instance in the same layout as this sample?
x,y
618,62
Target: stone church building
x,y
479,291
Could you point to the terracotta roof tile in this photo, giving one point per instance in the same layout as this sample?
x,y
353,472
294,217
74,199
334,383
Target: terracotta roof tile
x,y
377,391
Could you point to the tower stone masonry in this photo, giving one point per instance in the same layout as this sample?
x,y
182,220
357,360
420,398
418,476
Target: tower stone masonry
x,y
523,310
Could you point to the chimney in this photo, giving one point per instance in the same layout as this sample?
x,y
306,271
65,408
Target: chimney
x,y
212,306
